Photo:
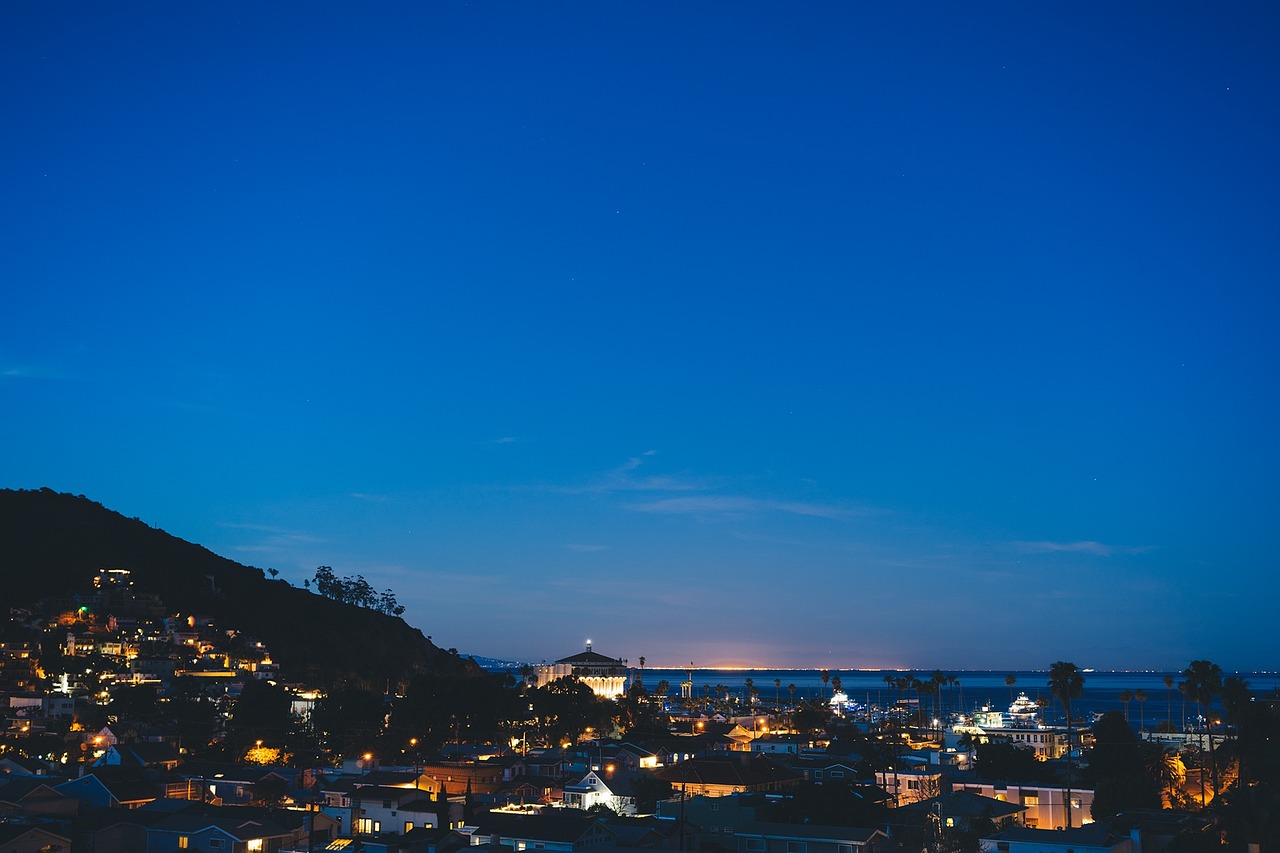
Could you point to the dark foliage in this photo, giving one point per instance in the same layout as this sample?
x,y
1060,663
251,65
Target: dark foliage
x,y
831,804
1009,763
1118,769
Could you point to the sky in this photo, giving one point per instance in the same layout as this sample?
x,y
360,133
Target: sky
x,y
832,334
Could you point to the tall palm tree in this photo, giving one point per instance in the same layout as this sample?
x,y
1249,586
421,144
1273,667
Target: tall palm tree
x,y
904,684
1140,696
826,677
1009,681
888,692
1235,699
777,692
1125,697
1168,686
1066,682
791,689
1202,681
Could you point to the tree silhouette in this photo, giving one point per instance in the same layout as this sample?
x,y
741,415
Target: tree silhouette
x,y
1140,696
1125,697
1009,681
1202,680
1066,682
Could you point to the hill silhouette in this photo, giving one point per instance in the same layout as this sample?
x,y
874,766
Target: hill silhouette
x,y
52,544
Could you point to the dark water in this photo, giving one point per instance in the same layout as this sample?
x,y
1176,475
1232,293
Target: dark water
x,y
975,689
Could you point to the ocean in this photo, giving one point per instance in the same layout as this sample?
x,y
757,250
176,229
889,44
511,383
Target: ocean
x,y
974,689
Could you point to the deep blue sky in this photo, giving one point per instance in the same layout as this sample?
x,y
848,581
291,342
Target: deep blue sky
x,y
855,334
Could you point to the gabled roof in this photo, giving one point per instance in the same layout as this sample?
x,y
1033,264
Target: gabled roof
x,y
12,832
812,831
962,804
241,830
558,825
727,770
125,785
1089,835
15,790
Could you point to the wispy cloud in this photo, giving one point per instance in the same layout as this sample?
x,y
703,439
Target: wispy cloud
x,y
277,536
506,439
737,505
365,496
584,548
13,370
624,478
1097,549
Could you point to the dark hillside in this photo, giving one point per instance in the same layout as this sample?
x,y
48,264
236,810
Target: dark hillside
x,y
52,544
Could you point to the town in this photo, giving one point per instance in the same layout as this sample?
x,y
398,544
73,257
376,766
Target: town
x,y
131,727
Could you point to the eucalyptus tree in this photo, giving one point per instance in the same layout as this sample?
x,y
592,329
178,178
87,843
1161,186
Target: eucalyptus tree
x,y
1066,682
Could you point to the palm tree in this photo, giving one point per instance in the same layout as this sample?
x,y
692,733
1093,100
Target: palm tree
x,y
1203,681
1140,696
888,692
1235,699
1042,702
1167,769
777,688
903,684
1009,681
836,684
1066,682
1125,696
1168,685
791,690
826,676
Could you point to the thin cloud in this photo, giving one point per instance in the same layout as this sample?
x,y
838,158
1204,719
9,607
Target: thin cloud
x,y
11,370
277,534
364,496
584,548
734,505
1097,549
624,479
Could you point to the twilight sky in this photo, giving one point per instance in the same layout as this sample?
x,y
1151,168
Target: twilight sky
x,y
848,335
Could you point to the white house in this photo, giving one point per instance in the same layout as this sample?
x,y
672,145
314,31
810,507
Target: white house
x,y
613,791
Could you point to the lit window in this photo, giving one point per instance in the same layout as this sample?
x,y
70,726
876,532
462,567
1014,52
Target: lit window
x,y
183,841
254,845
